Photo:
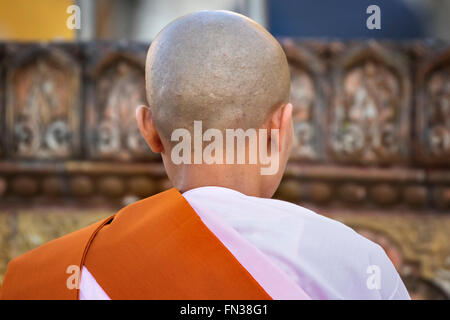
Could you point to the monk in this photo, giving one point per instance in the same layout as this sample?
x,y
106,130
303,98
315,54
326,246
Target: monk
x,y
218,87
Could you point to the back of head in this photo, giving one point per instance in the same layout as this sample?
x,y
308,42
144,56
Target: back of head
x,y
218,67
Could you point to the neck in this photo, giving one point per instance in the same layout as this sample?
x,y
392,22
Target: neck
x,y
243,178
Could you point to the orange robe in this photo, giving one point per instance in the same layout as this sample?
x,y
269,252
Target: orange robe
x,y
156,248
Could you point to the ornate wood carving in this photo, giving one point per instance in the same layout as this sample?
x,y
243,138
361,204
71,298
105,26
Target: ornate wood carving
x,y
118,88
433,109
2,102
308,100
42,102
371,106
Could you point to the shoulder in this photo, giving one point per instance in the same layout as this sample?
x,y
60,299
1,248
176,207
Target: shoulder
x,y
345,254
320,224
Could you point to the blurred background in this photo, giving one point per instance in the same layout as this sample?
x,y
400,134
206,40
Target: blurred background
x,y
141,20
371,113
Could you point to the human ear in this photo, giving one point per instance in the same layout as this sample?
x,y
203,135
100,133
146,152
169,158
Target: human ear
x,y
286,128
281,120
148,129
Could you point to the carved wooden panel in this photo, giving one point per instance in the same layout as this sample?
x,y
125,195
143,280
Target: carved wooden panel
x,y
371,107
308,101
42,103
2,104
119,87
433,109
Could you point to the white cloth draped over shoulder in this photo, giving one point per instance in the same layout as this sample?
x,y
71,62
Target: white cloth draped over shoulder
x,y
325,258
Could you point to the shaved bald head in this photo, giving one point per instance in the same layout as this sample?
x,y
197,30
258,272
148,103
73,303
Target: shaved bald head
x,y
216,66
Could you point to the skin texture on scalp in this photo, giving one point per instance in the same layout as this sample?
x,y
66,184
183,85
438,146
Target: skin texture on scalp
x,y
218,67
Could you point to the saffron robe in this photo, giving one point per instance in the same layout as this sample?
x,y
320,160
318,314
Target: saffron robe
x,y
156,248
327,259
